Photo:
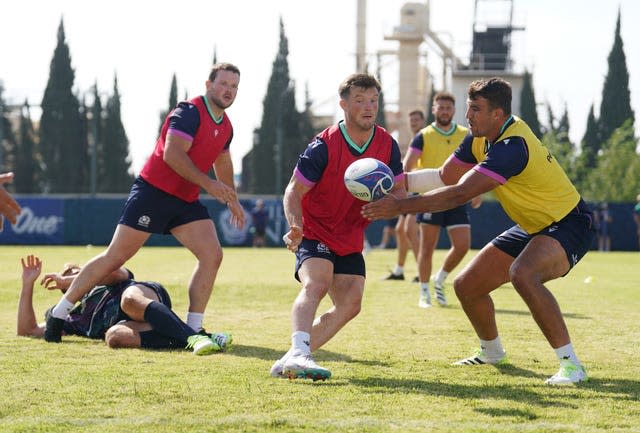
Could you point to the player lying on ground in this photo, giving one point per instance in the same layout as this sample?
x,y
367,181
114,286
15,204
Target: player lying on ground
x,y
121,311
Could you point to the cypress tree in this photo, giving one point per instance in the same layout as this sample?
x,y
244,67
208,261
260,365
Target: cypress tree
x,y
115,176
28,161
97,152
7,138
279,140
60,130
173,100
429,113
528,110
380,117
615,107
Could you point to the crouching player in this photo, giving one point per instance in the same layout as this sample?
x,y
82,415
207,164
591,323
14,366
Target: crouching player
x,y
553,231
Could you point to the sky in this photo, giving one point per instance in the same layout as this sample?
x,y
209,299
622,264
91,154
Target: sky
x,y
565,45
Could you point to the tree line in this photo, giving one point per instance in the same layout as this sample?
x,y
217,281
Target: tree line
x,y
83,148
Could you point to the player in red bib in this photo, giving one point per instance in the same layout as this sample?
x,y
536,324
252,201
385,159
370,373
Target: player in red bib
x,y
326,228
164,199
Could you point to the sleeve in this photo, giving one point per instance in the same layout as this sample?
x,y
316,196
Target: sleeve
x,y
463,152
417,144
228,143
505,159
312,162
184,120
395,161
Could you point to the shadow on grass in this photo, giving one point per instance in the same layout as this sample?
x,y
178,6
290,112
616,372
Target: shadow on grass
x,y
521,394
528,313
623,388
510,413
269,354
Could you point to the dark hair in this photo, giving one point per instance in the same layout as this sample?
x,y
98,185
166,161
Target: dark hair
x,y
495,90
357,80
222,67
444,96
417,111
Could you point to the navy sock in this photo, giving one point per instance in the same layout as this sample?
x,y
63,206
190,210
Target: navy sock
x,y
153,340
166,322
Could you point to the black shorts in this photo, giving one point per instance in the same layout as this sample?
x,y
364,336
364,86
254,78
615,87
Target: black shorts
x,y
160,291
575,232
152,210
351,264
458,216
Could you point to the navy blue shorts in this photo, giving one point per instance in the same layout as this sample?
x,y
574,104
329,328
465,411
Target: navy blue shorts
x,y
458,216
575,232
160,291
392,222
351,264
152,210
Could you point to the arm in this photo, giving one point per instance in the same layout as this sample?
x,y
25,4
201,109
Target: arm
x,y
58,281
27,324
410,160
470,185
292,203
223,166
9,207
175,155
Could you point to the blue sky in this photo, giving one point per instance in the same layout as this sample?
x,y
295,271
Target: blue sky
x,y
565,44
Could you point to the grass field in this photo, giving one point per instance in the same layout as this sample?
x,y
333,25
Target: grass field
x,y
391,366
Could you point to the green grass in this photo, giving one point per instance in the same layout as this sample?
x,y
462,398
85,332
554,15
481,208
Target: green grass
x,y
391,366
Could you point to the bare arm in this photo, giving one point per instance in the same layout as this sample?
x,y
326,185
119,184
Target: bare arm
x,y
9,207
175,155
292,203
410,160
223,167
470,185
27,324
57,281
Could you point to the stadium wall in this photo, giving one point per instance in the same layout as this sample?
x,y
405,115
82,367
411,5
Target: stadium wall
x,y
73,220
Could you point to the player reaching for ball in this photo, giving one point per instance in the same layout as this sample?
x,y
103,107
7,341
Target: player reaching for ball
x,y
553,231
326,229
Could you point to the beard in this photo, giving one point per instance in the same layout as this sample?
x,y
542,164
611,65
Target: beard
x,y
444,121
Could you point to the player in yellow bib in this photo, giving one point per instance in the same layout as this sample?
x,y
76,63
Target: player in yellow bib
x,y
430,149
554,227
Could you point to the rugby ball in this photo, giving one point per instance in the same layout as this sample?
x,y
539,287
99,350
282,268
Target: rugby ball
x,y
368,179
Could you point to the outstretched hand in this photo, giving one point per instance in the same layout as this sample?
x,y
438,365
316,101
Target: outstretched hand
x,y
385,208
56,281
293,238
31,268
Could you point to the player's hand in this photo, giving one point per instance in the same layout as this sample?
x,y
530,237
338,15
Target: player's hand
x,y
293,238
9,207
237,214
56,281
385,208
31,268
476,202
222,192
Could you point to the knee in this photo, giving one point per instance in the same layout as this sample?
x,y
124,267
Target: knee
x,y
213,258
118,336
130,304
350,308
463,286
520,277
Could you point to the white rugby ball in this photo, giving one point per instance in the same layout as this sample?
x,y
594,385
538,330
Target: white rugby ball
x,y
368,179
